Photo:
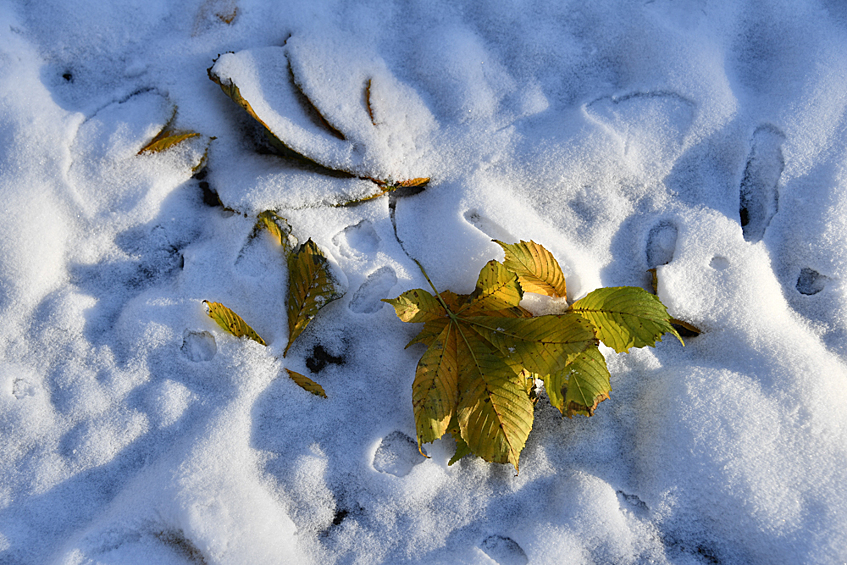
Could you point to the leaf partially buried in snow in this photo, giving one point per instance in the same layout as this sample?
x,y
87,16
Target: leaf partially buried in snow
x,y
279,229
625,316
536,268
294,123
472,376
230,321
306,383
311,286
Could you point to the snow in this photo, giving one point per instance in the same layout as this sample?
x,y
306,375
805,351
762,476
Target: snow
x,y
623,136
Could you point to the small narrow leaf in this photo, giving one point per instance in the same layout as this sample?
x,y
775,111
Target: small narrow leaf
x,y
435,389
165,140
279,229
368,104
306,383
625,317
230,321
536,268
581,386
421,181
311,286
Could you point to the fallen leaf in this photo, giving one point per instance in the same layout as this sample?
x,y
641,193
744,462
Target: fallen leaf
x,y
231,322
311,286
306,383
625,316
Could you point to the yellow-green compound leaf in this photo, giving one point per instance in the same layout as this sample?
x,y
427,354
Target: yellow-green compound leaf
x,y
495,413
435,389
543,345
306,383
581,386
311,286
497,288
625,317
165,140
231,322
279,229
536,268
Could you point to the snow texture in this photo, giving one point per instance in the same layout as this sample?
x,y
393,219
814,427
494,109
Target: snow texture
x,y
707,140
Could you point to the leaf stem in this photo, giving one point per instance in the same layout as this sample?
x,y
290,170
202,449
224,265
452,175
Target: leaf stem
x,y
450,313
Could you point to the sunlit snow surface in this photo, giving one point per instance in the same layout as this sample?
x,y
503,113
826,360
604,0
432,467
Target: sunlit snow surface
x,y
622,135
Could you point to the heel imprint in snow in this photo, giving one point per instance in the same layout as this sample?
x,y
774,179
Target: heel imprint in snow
x,y
661,244
503,550
476,379
367,299
759,193
396,455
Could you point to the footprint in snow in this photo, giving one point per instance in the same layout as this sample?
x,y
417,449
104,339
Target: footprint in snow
x,y
503,550
661,244
357,240
396,455
367,299
759,194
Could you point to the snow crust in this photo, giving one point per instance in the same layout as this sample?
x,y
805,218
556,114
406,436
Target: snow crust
x,y
707,140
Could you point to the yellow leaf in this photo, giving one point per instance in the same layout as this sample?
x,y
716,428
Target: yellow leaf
x,y
435,388
311,286
536,268
230,321
306,383
278,227
165,140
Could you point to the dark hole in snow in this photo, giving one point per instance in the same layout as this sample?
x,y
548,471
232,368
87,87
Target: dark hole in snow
x,y
68,76
320,358
810,282
210,197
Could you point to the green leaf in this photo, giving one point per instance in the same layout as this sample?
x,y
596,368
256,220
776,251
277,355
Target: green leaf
x,y
435,389
536,268
581,386
311,286
542,345
230,321
625,317
279,229
306,383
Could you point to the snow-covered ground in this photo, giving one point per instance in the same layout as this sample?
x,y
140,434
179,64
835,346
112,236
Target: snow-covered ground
x,y
622,135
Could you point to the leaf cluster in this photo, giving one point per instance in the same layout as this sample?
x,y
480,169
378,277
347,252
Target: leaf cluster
x,y
311,286
484,351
